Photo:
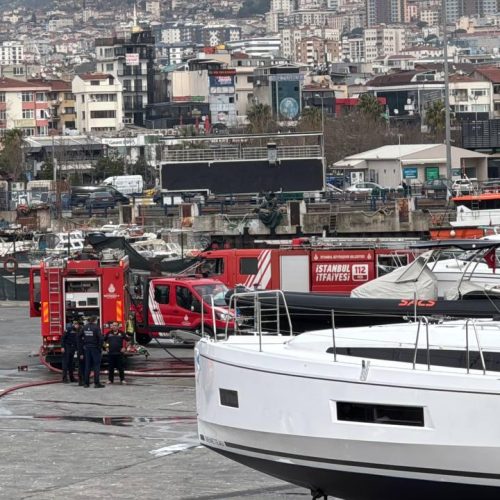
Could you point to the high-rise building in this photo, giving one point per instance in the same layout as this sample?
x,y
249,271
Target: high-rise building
x,y
385,11
471,8
131,61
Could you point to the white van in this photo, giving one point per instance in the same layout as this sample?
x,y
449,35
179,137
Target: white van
x,y
126,184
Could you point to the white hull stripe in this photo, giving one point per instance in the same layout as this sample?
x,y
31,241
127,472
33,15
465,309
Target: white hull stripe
x,y
466,477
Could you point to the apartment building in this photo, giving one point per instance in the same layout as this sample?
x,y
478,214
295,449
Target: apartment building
x,y
11,53
316,51
470,98
62,113
385,11
131,61
373,43
491,74
24,105
291,38
98,102
277,17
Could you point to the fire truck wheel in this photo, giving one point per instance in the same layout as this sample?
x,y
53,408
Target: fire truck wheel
x,y
143,338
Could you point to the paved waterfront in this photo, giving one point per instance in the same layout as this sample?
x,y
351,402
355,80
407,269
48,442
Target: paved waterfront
x,y
122,442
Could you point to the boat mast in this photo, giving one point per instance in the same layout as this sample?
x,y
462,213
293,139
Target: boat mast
x,y
446,91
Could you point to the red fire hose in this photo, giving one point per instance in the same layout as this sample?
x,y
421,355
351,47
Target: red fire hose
x,y
174,372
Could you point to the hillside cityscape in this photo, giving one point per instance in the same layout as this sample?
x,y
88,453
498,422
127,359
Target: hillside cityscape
x,y
171,67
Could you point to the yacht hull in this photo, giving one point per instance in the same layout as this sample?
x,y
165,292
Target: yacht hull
x,y
279,411
360,486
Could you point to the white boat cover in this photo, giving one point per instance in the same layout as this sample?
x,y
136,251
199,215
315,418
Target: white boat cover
x,y
472,288
415,280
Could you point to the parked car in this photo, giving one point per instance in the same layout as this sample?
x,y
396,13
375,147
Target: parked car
x,y
437,188
464,187
100,199
365,187
80,194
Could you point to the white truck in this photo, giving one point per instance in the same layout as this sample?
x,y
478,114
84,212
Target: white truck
x,y
126,184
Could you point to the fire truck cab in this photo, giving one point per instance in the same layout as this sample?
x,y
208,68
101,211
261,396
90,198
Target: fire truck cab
x,y
63,289
302,269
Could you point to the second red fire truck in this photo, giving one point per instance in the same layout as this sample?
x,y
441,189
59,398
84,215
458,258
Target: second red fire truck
x,y
300,268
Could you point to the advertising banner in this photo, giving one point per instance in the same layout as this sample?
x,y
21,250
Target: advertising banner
x,y
132,59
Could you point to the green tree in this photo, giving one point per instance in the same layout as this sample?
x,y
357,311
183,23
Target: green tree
x,y
368,105
109,166
310,119
46,171
435,118
12,154
261,119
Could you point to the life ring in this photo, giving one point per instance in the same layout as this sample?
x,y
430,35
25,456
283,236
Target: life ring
x,y
10,264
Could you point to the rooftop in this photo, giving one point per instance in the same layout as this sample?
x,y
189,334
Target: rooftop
x,y
95,76
12,83
491,73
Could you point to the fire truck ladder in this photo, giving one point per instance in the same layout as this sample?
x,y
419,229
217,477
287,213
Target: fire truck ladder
x,y
54,281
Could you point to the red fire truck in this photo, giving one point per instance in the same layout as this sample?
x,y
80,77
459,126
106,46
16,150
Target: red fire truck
x,y
302,269
63,289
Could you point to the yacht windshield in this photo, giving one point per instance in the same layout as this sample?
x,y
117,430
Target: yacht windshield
x,y
217,291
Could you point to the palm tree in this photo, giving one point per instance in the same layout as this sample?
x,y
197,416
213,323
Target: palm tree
x,y
435,118
368,104
260,118
311,119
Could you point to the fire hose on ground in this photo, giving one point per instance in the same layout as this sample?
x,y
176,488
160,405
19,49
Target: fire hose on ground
x,y
174,372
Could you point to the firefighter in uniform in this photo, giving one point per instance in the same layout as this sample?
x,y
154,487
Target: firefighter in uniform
x,y
81,357
117,344
92,347
69,345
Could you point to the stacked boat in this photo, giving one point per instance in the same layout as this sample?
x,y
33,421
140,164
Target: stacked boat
x,y
407,410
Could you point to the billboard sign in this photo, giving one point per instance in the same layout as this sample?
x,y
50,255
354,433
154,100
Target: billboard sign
x,y
132,59
410,173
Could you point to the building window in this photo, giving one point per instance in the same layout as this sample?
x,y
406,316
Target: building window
x,y
94,82
27,96
3,115
111,113
28,114
69,111
18,71
68,96
83,98
109,67
41,97
108,52
2,96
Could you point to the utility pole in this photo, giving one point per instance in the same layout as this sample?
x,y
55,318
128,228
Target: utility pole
x,y
446,91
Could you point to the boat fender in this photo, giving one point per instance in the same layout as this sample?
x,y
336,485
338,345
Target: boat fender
x,y
10,264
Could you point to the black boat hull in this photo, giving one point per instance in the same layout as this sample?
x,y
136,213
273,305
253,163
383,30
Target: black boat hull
x,y
356,486
313,310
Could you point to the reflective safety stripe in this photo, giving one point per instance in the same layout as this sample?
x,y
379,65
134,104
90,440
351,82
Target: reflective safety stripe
x,y
119,311
45,312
